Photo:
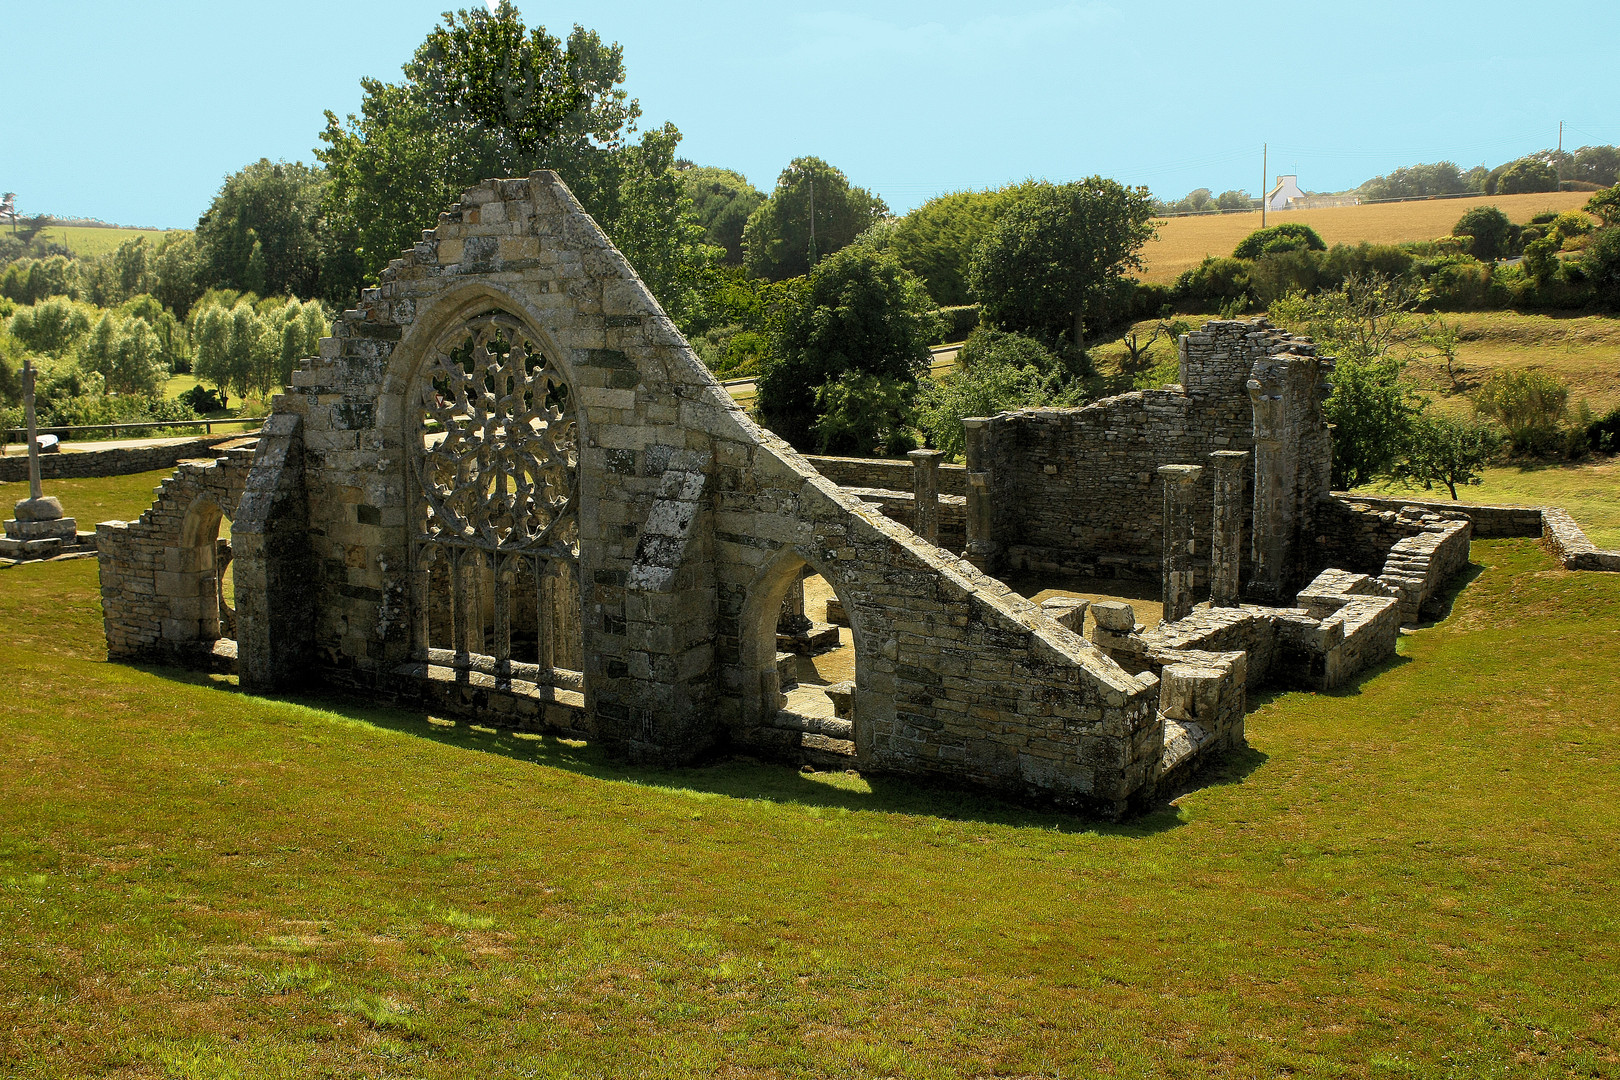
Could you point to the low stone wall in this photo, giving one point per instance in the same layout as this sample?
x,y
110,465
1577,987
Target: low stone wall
x,y
901,506
1569,544
70,466
1490,522
886,474
1419,565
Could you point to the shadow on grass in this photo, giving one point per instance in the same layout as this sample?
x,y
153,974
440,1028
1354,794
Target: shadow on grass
x,y
1438,609
737,776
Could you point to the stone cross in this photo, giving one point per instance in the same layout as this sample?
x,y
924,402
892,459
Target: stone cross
x,y
1226,538
1180,482
925,487
34,490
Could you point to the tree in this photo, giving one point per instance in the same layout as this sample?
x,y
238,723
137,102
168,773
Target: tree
x,y
1605,206
52,326
777,241
1275,239
996,371
1233,200
722,201
1488,230
1601,264
126,353
1414,181
860,311
1597,165
264,231
859,412
1058,254
936,240
657,232
1442,450
1526,175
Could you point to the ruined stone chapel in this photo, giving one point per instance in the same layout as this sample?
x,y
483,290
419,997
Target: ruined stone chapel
x,y
508,489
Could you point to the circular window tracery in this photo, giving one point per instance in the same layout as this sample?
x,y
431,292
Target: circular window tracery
x,y
498,458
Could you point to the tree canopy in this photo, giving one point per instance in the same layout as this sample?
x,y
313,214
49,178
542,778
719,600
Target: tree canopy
x,y
1488,230
486,96
777,240
1052,260
722,200
263,233
936,240
860,312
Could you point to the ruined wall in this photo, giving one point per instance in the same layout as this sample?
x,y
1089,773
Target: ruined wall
x,y
886,474
690,520
159,590
1078,490
77,464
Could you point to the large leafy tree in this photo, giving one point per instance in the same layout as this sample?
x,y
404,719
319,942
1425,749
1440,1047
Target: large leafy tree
x,y
722,200
859,313
263,231
936,240
777,242
1053,260
486,96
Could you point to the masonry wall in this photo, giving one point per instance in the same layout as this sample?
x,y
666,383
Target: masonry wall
x,y
1078,490
888,474
88,463
689,515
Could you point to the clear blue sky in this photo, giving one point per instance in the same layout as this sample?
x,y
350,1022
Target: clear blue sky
x,y
135,112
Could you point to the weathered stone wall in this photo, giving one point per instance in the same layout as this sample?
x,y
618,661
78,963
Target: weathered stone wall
x,y
1490,522
159,590
886,474
88,463
691,521
1412,551
1570,545
1078,489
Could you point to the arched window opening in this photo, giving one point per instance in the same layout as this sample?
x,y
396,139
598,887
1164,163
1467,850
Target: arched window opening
x,y
496,537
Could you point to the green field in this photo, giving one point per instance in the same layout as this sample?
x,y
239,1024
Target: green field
x,y
89,240
1589,490
1413,877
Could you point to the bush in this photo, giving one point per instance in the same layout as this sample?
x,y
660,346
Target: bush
x,y
1600,263
1214,282
992,385
1279,273
1527,175
860,412
1489,231
203,401
1603,434
1605,206
1530,406
957,322
1456,283
1289,236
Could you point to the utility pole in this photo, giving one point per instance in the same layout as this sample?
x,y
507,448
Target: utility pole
x,y
1560,136
1264,169
812,221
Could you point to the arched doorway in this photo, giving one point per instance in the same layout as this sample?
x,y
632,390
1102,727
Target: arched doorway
x,y
807,699
203,606
492,432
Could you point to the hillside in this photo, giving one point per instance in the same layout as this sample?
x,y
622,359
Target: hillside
x,y
1183,242
92,240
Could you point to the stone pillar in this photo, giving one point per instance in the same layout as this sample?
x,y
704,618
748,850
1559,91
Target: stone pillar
x,y
982,548
1274,474
39,529
1180,484
925,487
793,622
1226,538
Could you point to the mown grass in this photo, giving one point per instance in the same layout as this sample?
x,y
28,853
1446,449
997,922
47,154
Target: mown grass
x,y
1589,490
1412,877
1183,242
85,240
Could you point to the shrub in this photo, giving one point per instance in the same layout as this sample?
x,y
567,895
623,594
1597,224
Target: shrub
x,y
957,322
1278,273
202,400
1456,283
1603,434
1489,231
1289,236
1529,404
1605,206
52,326
1527,175
1215,281
1366,260
1601,265
989,387
859,412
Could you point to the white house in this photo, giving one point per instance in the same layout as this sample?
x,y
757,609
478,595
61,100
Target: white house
x,y
1284,194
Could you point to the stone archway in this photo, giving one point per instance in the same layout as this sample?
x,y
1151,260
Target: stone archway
x,y
815,721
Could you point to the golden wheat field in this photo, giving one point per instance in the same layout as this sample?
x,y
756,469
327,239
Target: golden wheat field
x,y
1183,242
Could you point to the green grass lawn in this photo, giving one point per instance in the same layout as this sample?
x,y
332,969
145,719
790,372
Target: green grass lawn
x,y
1589,490
1411,877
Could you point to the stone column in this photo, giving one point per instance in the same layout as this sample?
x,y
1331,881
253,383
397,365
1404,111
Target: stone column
x,y
1226,538
39,530
982,548
925,487
1180,484
1274,470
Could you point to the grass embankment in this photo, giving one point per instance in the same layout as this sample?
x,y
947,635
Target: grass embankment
x,y
1412,877
87,240
1184,241
1589,490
